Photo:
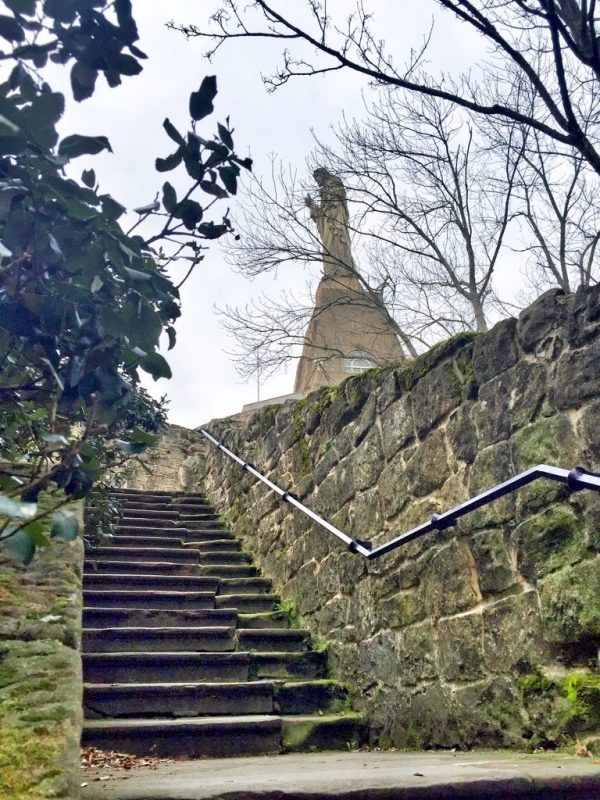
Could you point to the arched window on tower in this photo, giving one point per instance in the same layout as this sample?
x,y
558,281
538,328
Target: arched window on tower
x,y
358,361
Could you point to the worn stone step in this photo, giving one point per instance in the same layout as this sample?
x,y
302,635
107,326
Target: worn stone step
x,y
176,667
150,599
228,557
107,617
206,536
324,732
169,532
202,699
179,667
178,699
241,571
110,553
216,546
158,640
142,522
106,580
100,566
264,619
160,494
124,540
229,586
149,513
133,507
192,737
273,639
248,603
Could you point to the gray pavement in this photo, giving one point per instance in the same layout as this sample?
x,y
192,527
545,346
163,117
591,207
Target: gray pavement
x,y
356,776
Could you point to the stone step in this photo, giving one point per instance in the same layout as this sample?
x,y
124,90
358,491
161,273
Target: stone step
x,y
177,534
109,553
232,586
206,536
248,603
107,617
149,513
222,557
203,699
216,545
303,734
179,667
124,540
161,569
193,737
106,580
133,507
146,599
265,619
230,570
273,639
159,640
160,494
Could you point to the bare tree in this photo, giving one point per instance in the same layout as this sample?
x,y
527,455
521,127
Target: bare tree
x,y
553,44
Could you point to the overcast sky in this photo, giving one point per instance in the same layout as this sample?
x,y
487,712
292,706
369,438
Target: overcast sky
x,y
205,384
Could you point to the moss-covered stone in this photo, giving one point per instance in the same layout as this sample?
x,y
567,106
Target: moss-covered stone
x,y
548,541
570,603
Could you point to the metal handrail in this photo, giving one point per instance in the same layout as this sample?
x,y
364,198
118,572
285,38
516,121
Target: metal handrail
x,y
576,479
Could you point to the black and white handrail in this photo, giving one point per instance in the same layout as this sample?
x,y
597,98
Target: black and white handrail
x,y
576,479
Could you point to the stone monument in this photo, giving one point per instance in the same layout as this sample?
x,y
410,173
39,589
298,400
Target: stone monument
x,y
350,329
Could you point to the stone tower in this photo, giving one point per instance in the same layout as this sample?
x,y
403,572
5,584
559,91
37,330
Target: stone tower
x,y
350,329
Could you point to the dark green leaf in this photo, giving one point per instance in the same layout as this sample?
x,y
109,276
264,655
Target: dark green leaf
x,y
10,29
228,176
83,81
169,197
172,336
138,275
172,132
169,163
111,208
77,145
88,176
201,102
142,437
26,7
64,527
44,112
18,545
156,365
53,438
189,212
225,136
127,65
214,189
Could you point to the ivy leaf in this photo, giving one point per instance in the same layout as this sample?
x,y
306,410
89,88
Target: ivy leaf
x,y
77,145
19,545
15,509
64,527
201,102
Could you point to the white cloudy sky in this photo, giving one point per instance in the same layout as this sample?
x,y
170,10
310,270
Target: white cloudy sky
x,y
205,384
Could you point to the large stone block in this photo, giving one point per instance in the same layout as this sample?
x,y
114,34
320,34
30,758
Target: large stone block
x,y
428,468
513,634
548,541
367,461
570,603
577,377
449,584
394,493
433,397
397,427
462,434
495,560
460,647
495,351
538,324
492,465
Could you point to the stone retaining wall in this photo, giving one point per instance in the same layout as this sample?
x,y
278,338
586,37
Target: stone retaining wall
x,y
40,673
488,633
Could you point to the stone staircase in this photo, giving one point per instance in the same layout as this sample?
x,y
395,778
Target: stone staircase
x,y
185,652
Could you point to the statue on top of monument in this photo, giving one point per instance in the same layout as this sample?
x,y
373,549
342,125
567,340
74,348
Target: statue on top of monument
x,y
331,218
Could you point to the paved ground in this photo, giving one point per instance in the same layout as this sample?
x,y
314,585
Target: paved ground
x,y
356,776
